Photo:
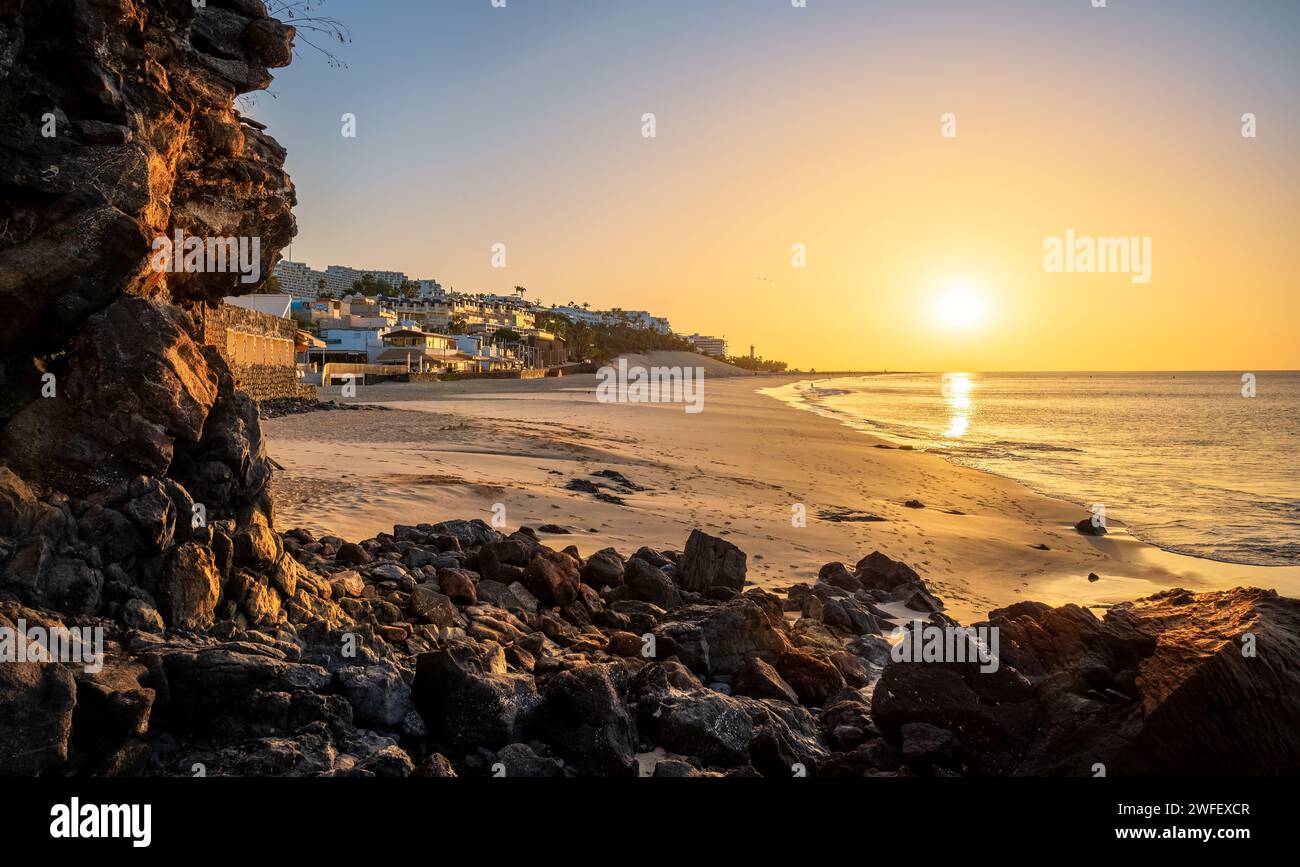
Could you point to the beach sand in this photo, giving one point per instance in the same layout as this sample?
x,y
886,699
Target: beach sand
x,y
740,469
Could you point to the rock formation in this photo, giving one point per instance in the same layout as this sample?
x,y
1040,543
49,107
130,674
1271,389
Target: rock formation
x,y
115,419
134,507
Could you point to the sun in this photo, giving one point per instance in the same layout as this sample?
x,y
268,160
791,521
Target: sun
x,y
959,309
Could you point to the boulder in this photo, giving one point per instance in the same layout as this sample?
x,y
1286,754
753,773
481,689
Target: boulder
x,y
257,547
347,583
377,693
458,585
709,562
679,714
838,575
878,572
36,704
434,765
1090,527
468,699
655,558
468,534
603,569
352,554
647,583
552,577
189,587
429,606
814,680
1177,683
113,705
503,561
757,679
743,629
585,717
138,614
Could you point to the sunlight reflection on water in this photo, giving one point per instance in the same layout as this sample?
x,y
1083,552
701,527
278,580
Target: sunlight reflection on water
x,y
957,389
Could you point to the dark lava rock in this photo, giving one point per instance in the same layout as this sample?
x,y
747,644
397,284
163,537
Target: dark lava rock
x,y
603,569
878,572
468,699
1072,690
585,716
552,577
1088,528
709,562
647,583
760,680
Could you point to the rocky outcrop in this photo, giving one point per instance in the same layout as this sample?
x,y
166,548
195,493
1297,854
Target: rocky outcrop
x,y
127,456
1177,683
322,666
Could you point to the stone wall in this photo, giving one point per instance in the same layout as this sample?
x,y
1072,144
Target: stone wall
x,y
532,373
259,348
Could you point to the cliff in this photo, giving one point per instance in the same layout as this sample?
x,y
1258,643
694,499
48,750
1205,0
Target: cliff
x,y
121,127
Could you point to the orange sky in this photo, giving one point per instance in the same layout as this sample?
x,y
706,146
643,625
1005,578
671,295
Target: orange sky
x,y
825,130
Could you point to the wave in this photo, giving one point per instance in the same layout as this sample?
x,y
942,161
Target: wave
x,y
1162,507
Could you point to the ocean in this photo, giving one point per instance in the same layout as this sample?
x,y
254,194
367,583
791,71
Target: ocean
x,y
1185,460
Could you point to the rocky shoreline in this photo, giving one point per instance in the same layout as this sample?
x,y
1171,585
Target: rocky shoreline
x,y
455,650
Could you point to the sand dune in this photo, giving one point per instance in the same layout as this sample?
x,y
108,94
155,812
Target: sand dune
x,y
712,367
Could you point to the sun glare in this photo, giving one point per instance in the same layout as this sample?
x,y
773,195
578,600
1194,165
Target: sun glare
x,y
959,310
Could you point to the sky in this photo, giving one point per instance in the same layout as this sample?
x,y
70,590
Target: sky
x,y
825,127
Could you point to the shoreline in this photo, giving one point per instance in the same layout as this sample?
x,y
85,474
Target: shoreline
x,y
849,422
450,450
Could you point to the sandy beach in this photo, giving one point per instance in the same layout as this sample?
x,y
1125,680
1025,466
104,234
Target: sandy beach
x,y
740,469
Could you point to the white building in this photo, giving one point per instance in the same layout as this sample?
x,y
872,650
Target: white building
x,y
635,318
429,289
643,319
302,281
297,279
487,356
714,346
350,344
339,278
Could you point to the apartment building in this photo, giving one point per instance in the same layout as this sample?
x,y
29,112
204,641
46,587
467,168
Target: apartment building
x,y
304,282
635,318
349,346
339,279
714,346
297,279
429,289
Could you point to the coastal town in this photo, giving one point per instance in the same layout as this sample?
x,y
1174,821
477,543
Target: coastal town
x,y
343,325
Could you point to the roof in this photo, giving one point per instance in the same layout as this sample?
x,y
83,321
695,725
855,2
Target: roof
x,y
275,305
